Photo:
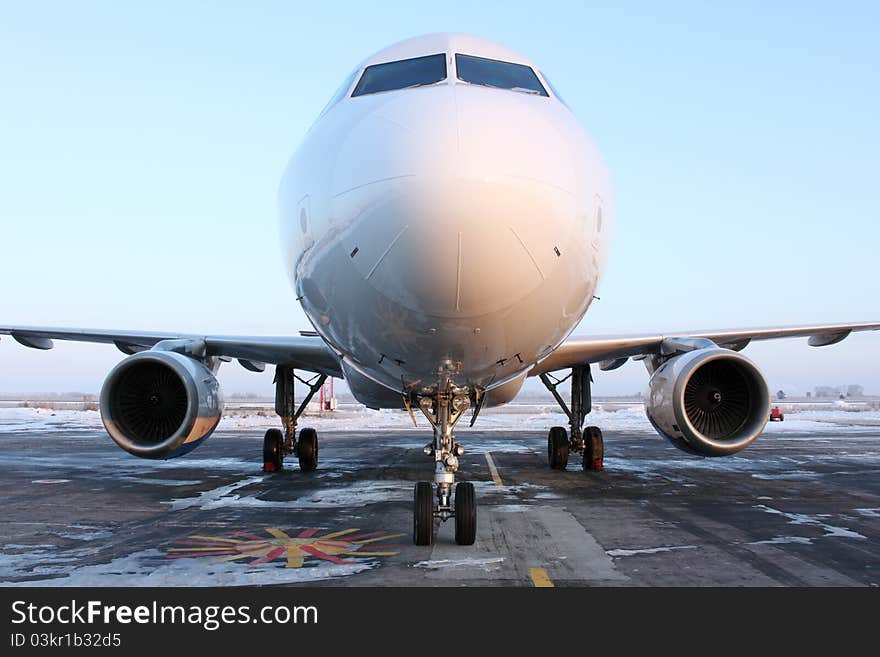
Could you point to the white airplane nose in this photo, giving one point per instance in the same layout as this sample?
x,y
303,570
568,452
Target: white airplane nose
x,y
460,215
455,225
458,246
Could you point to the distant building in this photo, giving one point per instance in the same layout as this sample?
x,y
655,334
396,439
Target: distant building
x,y
827,391
855,390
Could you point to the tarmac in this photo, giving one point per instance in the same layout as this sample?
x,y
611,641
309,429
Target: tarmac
x,y
792,510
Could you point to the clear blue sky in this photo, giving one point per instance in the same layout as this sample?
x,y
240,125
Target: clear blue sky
x,y
141,146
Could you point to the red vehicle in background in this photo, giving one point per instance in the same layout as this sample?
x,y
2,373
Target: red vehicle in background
x,y
776,415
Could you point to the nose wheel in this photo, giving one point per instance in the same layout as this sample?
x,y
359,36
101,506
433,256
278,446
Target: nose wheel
x,y
464,511
465,514
423,514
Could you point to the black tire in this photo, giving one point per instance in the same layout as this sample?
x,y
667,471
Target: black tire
x,y
273,451
307,450
594,449
465,514
423,514
558,448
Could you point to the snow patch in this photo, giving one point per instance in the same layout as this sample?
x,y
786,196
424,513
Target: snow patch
x,y
360,493
794,475
813,521
151,568
488,563
622,552
211,499
781,540
85,536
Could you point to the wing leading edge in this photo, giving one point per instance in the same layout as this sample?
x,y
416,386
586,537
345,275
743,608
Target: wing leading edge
x,y
312,354
302,352
613,351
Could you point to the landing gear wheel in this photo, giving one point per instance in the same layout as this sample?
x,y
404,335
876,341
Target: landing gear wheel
x,y
557,448
594,449
307,450
465,514
423,514
273,451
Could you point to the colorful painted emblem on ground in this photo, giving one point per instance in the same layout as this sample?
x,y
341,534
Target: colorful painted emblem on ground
x,y
339,547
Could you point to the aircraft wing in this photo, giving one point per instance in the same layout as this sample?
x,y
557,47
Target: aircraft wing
x,y
302,352
612,351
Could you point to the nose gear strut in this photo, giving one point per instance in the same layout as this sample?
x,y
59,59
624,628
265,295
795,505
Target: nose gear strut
x,y
443,407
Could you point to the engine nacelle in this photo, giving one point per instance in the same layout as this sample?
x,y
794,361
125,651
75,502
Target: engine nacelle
x,y
504,393
712,402
160,404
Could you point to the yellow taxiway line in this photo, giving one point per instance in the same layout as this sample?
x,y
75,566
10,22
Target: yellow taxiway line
x,y
494,471
540,578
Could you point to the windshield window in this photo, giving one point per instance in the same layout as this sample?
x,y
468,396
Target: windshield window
x,y
406,73
494,73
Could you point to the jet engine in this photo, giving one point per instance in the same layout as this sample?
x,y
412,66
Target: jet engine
x,y
160,404
711,402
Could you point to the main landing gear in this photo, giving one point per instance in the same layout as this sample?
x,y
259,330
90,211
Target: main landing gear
x,y
277,443
588,441
443,407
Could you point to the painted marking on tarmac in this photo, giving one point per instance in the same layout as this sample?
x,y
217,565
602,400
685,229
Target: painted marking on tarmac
x,y
540,578
494,471
333,547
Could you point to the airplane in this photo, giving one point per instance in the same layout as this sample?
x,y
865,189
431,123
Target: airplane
x,y
445,227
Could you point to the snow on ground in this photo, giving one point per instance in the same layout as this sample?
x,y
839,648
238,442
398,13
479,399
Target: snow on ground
x,y
611,417
486,563
621,552
55,567
45,419
817,520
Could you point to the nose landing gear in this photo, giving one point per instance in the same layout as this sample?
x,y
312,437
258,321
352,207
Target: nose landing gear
x,y
444,407
588,441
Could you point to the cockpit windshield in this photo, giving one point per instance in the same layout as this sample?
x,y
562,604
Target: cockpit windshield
x,y
402,74
502,75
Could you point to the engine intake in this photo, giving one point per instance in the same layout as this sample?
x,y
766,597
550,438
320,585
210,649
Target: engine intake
x,y
160,404
712,402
